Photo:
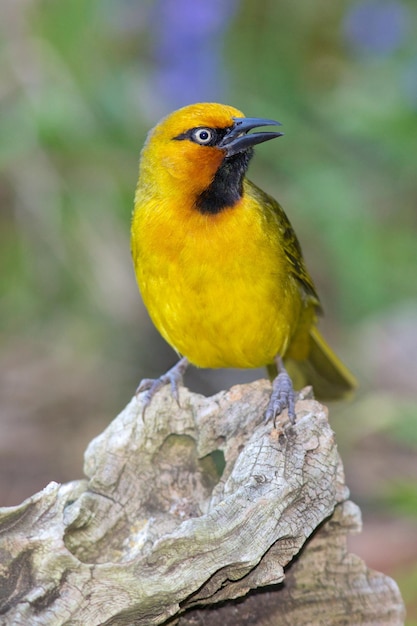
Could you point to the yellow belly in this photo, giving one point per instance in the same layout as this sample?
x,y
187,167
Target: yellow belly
x,y
217,287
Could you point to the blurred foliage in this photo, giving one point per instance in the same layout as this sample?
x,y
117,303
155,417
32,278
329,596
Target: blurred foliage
x,y
402,498
408,583
81,84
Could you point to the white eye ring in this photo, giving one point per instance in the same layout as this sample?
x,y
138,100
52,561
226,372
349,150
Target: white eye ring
x,y
203,136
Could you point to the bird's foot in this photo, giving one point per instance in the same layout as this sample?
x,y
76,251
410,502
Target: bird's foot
x,y
282,396
172,377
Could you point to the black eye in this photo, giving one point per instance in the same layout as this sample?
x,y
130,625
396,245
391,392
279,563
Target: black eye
x,y
203,135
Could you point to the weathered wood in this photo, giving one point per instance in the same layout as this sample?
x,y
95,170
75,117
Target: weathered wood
x,y
194,506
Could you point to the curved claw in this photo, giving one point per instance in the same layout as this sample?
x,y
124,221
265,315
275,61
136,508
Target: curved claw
x,y
145,384
282,396
173,377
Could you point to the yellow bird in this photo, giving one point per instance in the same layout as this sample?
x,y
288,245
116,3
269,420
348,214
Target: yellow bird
x,y
217,262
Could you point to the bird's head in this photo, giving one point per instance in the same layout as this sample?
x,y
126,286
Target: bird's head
x,y
199,145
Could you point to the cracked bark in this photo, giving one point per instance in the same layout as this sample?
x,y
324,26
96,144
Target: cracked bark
x,y
201,514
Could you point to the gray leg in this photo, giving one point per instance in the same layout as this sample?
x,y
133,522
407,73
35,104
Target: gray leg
x,y
282,396
172,377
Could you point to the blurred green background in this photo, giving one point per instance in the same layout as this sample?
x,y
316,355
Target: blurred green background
x,y
81,83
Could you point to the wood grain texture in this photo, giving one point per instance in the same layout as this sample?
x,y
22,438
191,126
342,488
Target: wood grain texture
x,y
194,506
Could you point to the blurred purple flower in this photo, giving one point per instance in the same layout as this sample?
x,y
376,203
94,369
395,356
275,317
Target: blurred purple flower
x,y
188,37
376,26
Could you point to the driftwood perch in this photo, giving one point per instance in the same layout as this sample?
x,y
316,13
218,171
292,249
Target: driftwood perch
x,y
187,511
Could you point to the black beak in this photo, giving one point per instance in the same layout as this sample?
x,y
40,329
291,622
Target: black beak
x,y
237,139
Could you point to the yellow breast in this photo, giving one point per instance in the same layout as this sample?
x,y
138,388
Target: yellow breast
x,y
217,287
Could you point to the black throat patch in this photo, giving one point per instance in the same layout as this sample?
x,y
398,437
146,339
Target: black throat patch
x,y
226,188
